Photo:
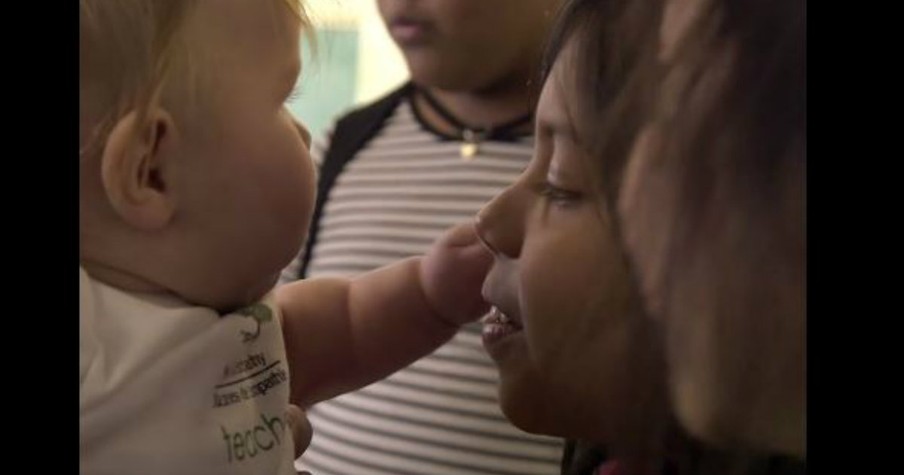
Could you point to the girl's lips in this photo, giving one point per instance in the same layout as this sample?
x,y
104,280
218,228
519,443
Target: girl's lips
x,y
498,326
408,32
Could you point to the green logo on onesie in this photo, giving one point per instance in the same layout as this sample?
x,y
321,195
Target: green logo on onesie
x,y
261,314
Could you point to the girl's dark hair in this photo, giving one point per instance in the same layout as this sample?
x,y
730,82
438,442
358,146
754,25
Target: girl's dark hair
x,y
722,198
716,225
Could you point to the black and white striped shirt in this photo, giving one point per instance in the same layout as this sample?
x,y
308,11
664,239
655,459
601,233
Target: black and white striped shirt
x,y
439,416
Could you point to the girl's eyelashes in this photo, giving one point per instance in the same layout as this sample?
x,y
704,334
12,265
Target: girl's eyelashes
x,y
558,195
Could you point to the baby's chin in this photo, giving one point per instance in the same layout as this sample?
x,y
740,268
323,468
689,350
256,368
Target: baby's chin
x,y
258,292
250,294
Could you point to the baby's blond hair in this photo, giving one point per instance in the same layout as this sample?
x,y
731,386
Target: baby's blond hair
x,y
131,54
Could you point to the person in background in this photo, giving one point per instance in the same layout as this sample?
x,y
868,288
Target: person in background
x,y
395,174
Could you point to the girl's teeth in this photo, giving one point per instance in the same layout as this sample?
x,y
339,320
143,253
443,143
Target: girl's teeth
x,y
495,316
497,325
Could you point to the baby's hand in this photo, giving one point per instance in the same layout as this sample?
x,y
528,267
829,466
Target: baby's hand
x,y
452,274
300,427
301,430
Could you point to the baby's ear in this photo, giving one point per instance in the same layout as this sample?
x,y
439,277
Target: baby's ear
x,y
133,167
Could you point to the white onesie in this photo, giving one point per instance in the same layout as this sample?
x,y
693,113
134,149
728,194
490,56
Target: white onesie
x,y
171,389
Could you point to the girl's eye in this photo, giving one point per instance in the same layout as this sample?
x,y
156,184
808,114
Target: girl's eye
x,y
560,195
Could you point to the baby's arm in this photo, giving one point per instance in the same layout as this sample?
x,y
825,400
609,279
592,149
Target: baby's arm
x,y
344,334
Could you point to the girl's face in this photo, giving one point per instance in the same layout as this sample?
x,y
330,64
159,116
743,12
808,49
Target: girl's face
x,y
575,355
468,44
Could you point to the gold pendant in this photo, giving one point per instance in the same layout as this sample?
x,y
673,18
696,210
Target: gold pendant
x,y
468,151
470,146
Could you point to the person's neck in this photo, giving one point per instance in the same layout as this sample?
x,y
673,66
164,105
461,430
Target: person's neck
x,y
109,257
119,278
646,462
480,109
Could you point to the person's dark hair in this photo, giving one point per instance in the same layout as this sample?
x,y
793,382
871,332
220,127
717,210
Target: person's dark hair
x,y
724,188
717,225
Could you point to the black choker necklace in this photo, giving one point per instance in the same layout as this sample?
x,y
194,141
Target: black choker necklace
x,y
471,137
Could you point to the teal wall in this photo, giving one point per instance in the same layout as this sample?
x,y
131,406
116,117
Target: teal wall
x,y
328,80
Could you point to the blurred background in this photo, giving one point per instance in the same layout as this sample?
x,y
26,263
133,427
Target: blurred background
x,y
355,62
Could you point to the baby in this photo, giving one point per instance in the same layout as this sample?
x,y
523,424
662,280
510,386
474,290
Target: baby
x,y
196,189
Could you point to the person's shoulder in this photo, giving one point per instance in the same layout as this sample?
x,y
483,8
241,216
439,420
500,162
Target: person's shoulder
x,y
352,130
386,102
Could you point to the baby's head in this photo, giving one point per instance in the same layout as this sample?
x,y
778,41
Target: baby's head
x,y
193,178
